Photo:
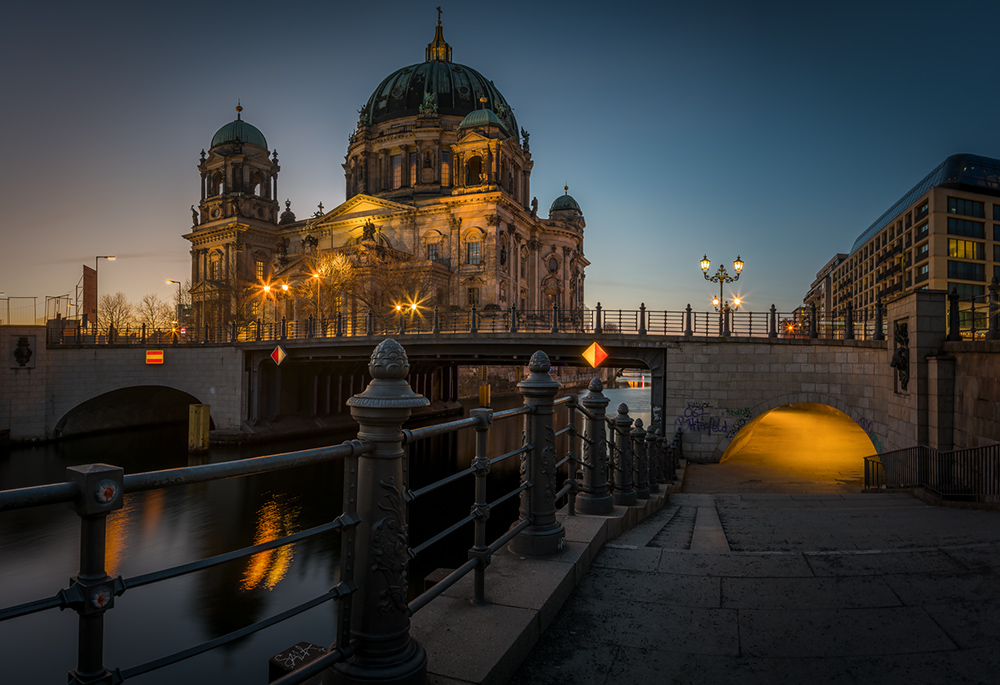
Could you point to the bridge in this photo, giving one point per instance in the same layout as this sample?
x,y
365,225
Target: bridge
x,y
926,384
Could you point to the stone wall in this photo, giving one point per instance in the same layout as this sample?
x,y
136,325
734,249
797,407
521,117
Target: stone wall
x,y
977,392
34,398
715,389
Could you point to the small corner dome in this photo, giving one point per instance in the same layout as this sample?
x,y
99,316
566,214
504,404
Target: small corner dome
x,y
239,131
287,216
480,118
565,202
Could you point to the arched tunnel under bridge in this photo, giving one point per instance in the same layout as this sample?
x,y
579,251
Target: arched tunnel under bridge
x,y
144,405
800,447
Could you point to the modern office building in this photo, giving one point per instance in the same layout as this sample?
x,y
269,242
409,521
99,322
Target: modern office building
x,y
943,234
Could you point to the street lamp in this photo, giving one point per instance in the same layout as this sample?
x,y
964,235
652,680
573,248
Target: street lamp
x,y
178,284
319,312
97,261
722,277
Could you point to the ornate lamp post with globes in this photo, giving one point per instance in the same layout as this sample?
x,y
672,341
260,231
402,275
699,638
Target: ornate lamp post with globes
x,y
722,277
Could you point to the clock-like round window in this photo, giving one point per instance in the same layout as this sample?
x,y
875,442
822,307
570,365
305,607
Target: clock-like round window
x,y
216,212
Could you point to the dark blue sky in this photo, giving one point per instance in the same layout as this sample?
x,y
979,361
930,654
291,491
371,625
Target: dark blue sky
x,y
774,130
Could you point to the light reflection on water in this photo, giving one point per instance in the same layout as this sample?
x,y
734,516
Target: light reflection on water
x,y
158,529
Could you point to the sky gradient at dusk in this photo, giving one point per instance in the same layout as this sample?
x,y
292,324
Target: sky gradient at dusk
x,y
777,131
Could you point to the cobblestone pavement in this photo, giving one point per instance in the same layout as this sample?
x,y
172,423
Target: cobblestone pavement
x,y
785,588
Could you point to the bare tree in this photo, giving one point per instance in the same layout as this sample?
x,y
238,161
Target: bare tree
x,y
115,311
154,312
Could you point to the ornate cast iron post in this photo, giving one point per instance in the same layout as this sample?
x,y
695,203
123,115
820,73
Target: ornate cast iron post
x,y
687,322
381,618
481,508
993,333
772,331
813,333
638,436
642,319
598,323
100,490
513,318
625,494
655,463
849,333
437,321
545,535
473,324
555,318
595,498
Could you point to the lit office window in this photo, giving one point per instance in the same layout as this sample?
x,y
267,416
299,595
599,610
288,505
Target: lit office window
x,y
966,249
922,211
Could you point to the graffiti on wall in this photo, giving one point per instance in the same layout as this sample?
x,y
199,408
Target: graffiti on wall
x,y
869,428
702,417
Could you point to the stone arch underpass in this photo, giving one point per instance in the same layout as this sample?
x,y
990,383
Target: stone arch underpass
x,y
143,405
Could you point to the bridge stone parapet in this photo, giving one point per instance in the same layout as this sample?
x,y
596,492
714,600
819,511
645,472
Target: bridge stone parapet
x,y
37,397
715,389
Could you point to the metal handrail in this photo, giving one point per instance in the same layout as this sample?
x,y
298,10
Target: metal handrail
x,y
604,322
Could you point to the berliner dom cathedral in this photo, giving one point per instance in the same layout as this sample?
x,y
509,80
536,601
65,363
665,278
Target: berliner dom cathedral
x,y
439,212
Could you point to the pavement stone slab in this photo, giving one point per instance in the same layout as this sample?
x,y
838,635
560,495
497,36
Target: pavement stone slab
x,y
839,632
615,585
807,593
626,558
875,563
735,564
635,665
963,667
574,658
970,623
651,626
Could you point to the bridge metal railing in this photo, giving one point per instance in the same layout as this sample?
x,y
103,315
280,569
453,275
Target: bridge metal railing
x,y
372,626
863,324
967,474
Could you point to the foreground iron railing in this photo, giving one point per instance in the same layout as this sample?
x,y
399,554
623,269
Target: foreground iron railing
x,y
372,633
967,474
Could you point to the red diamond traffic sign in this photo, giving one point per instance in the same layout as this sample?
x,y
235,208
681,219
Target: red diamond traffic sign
x,y
594,355
278,355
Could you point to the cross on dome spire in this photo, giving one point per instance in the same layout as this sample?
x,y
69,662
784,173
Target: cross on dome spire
x,y
239,108
438,49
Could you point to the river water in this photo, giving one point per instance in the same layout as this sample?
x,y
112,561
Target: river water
x,y
39,549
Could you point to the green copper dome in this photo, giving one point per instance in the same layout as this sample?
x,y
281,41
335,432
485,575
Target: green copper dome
x,y
239,131
565,202
437,86
482,117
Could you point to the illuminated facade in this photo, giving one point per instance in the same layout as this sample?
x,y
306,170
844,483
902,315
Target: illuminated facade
x,y
943,234
438,212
